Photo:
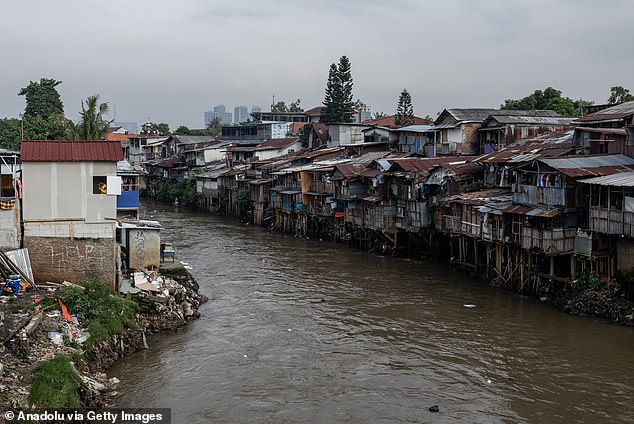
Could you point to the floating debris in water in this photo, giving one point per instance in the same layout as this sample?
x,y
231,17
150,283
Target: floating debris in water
x,y
469,305
434,408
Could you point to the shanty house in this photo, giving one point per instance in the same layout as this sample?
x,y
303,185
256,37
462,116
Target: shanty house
x,y
506,127
611,215
456,130
70,191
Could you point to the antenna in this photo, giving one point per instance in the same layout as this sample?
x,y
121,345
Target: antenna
x,y
273,104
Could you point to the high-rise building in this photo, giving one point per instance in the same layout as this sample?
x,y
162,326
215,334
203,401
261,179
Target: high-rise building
x,y
209,116
219,111
256,109
241,114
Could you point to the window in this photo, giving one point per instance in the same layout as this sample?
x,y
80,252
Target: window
x,y
110,185
99,185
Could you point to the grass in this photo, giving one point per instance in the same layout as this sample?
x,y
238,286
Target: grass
x,y
55,384
105,314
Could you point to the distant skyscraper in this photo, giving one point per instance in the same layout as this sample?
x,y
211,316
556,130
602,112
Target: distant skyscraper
x,y
209,116
241,114
256,109
221,113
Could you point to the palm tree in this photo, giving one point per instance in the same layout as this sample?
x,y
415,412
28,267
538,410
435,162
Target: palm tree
x,y
92,126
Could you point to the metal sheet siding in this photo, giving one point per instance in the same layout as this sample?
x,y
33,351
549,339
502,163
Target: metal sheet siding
x,y
71,151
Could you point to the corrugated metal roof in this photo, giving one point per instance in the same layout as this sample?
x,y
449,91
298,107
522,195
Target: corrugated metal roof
x,y
71,151
612,113
530,211
621,179
415,128
529,119
588,161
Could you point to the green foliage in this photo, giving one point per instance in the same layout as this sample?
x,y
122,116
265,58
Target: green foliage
x,y
42,98
279,107
214,127
184,189
379,115
619,95
243,201
182,130
10,133
55,384
55,127
404,110
106,314
92,125
338,95
549,99
295,107
153,128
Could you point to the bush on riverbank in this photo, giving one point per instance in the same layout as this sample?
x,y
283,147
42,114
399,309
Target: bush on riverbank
x,y
184,190
105,314
55,384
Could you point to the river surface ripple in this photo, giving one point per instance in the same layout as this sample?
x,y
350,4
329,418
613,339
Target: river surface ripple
x,y
304,331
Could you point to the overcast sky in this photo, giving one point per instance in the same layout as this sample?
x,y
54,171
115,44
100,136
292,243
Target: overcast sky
x,y
173,60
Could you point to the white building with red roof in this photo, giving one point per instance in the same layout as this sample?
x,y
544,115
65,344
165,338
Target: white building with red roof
x,y
70,193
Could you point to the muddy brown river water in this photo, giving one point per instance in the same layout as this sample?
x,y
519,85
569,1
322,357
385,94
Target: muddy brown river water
x,y
304,331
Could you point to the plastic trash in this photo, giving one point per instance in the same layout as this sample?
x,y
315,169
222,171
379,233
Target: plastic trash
x,y
469,305
434,408
56,337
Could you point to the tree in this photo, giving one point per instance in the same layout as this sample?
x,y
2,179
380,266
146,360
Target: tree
x,y
619,95
92,125
182,130
338,103
153,128
379,115
404,110
295,107
214,127
43,117
42,98
163,128
279,107
330,113
10,133
549,99
55,127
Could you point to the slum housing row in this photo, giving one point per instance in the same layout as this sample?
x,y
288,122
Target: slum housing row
x,y
518,197
71,208
522,198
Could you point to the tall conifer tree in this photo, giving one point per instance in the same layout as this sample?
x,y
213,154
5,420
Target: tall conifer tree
x,y
338,103
404,110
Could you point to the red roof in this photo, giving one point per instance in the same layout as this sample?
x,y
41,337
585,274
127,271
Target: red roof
x,y
70,151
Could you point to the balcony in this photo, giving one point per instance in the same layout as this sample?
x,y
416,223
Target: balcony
x,y
553,242
533,195
612,221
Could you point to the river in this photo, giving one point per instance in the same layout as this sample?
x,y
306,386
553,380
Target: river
x,y
306,331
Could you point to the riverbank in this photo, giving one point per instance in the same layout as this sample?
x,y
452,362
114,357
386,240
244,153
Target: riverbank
x,y
607,299
47,330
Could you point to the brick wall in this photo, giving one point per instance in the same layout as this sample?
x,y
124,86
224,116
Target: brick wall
x,y
65,259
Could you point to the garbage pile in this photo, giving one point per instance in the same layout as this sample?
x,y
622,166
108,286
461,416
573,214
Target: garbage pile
x,y
166,301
